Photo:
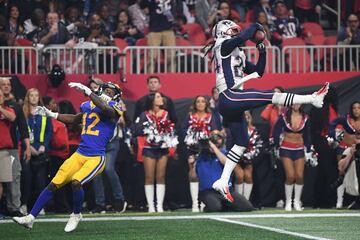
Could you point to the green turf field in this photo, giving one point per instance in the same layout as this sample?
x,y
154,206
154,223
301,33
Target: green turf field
x,y
268,224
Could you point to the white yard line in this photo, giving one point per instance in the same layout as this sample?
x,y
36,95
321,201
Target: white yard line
x,y
200,216
277,230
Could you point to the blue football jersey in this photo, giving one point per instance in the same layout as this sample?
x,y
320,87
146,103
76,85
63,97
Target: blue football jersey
x,y
97,130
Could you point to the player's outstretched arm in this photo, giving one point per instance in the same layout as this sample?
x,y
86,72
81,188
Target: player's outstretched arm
x,y
261,63
65,118
105,108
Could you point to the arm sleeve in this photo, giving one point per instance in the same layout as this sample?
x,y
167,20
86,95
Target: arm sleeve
x,y
259,67
48,133
278,129
137,129
229,45
307,135
333,124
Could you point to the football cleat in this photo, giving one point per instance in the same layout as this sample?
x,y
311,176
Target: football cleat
x,y
297,206
318,97
26,221
73,222
223,188
288,207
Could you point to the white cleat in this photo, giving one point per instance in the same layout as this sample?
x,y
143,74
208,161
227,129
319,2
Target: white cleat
x,y
26,221
73,222
159,209
339,205
318,97
222,187
288,206
151,210
195,208
298,206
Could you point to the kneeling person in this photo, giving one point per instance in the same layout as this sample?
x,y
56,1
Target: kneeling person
x,y
209,166
99,116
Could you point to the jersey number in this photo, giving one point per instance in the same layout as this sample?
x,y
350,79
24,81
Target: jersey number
x,y
88,129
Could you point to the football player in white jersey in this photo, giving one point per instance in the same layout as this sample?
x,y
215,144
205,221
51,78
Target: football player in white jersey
x,y
231,70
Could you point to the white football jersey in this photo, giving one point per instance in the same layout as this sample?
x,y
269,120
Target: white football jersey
x,y
229,69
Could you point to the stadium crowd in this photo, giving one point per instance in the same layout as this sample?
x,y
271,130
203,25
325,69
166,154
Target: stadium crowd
x,y
33,146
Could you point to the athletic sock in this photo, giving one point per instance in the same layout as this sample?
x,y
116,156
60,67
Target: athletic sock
x,y
43,198
247,190
78,198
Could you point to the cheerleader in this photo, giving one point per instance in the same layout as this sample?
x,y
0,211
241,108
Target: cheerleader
x,y
243,172
351,125
198,125
155,124
295,129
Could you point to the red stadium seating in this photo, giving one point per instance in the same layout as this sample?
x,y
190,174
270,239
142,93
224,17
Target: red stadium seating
x,y
235,15
314,28
250,16
295,57
196,33
120,43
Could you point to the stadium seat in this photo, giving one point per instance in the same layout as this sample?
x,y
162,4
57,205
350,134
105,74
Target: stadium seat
x,y
30,56
249,16
314,28
235,15
141,42
196,34
120,43
296,60
244,25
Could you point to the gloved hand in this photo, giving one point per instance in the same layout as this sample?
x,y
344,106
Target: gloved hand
x,y
261,47
80,87
310,159
259,27
105,98
40,110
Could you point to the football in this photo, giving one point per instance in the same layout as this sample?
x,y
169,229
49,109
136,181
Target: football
x,y
258,37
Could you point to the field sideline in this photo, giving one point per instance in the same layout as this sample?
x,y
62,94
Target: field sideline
x,y
266,224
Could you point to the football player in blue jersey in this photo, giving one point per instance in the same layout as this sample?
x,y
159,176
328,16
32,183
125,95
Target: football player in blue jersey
x,y
99,116
231,68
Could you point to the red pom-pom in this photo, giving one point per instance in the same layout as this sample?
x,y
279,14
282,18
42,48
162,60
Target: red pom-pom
x,y
259,36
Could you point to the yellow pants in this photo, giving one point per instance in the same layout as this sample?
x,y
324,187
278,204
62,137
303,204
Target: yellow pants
x,y
79,167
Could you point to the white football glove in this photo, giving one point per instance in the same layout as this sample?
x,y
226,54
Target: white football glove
x,y
311,159
45,112
80,87
105,98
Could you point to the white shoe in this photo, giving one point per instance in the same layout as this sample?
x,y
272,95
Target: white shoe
x,y
318,97
298,206
26,221
280,204
23,209
195,207
339,205
42,212
222,186
288,206
202,206
151,210
159,209
73,222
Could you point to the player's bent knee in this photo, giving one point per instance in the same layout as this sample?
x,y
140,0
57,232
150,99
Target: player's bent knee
x,y
75,185
52,187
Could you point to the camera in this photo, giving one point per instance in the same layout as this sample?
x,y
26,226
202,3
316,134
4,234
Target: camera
x,y
214,138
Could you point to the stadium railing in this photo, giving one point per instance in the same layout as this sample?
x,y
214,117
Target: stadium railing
x,y
19,60
89,59
185,59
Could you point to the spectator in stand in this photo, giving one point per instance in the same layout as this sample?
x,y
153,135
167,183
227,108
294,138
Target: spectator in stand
x,y
35,25
126,30
179,29
349,35
154,85
203,9
55,32
307,10
156,126
72,21
264,7
242,6
285,26
7,118
262,19
5,39
19,127
223,13
162,15
209,166
107,20
137,16
40,131
96,32
58,153
14,26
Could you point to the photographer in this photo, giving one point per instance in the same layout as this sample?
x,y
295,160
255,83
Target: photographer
x,y
349,164
96,32
209,166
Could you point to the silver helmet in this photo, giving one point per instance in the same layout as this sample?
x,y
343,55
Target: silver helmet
x,y
225,29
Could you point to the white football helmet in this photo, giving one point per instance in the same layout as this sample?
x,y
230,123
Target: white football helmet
x,y
225,29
